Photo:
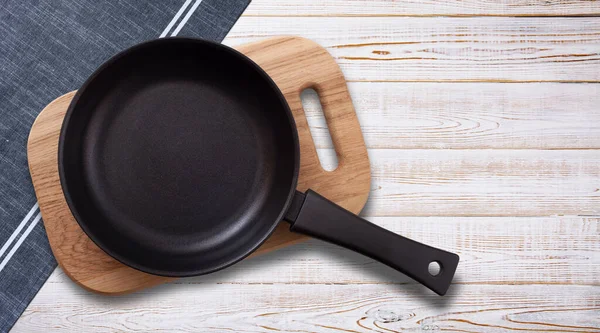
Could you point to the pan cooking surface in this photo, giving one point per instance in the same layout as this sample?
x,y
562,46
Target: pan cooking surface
x,y
178,157
175,160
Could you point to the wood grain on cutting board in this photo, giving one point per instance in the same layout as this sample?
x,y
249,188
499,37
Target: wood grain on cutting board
x,y
527,116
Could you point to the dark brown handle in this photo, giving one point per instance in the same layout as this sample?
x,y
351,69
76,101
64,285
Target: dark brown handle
x,y
315,216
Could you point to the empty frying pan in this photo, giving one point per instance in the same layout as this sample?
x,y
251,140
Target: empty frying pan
x,y
179,157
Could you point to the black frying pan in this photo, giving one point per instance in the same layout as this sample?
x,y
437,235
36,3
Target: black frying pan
x,y
179,157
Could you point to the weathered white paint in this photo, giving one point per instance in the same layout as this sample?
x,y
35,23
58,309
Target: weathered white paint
x,y
518,155
317,308
409,115
493,250
483,182
445,48
383,8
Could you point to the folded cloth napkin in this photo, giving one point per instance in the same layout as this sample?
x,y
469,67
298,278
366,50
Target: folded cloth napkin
x,y
48,48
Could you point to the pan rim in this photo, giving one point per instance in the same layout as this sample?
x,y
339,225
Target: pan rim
x,y
71,202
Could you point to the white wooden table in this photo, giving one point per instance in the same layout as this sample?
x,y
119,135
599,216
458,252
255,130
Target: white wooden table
x,y
482,120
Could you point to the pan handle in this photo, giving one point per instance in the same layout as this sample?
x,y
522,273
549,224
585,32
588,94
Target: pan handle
x,y
313,215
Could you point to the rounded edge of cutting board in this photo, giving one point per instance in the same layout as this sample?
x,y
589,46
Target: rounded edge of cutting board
x,y
295,64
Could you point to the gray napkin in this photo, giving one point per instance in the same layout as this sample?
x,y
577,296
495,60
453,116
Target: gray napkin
x,y
48,48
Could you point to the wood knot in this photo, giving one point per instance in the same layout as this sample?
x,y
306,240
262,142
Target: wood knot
x,y
389,316
381,52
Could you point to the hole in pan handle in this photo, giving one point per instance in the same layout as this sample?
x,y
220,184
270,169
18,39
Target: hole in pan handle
x,y
313,215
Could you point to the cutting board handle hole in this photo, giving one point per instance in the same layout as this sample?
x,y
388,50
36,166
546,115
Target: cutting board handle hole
x,y
319,131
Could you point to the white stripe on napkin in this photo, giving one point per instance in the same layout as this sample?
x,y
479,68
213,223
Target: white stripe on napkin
x,y
186,18
181,10
18,230
20,241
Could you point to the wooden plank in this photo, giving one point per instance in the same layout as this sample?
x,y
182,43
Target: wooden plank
x,y
471,115
317,308
493,250
386,8
503,49
446,182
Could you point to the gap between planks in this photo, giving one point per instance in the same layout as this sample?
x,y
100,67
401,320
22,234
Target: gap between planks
x,y
593,14
477,81
407,8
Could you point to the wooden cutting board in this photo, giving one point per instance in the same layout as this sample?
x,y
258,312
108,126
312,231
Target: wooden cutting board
x,y
294,64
